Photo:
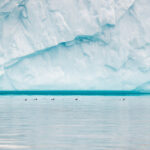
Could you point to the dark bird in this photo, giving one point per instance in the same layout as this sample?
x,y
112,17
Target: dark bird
x,y
25,99
76,99
52,99
123,99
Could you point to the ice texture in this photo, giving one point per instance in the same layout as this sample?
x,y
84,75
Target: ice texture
x,y
75,44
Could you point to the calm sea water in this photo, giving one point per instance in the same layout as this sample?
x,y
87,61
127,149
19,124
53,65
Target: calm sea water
x,y
89,123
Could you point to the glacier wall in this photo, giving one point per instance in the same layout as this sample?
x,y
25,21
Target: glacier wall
x,y
74,44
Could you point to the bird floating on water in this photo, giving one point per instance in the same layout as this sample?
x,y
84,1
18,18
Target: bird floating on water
x,y
123,99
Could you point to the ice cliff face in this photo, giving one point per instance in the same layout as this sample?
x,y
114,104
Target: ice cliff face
x,y
74,44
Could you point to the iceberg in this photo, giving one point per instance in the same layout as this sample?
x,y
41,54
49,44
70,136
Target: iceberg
x,y
74,44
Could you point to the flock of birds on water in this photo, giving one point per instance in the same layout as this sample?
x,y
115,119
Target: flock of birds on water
x,y
122,99
50,99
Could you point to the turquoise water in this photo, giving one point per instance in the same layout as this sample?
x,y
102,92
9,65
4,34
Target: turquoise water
x,y
89,123
78,92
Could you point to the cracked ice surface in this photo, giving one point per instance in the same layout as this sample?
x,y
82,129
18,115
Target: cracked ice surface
x,y
74,44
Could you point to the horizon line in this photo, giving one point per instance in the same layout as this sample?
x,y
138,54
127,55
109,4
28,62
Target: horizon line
x,y
75,92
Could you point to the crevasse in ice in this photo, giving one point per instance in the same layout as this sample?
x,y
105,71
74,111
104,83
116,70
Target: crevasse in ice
x,y
74,44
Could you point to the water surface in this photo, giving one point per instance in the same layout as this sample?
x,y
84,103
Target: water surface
x,y
89,123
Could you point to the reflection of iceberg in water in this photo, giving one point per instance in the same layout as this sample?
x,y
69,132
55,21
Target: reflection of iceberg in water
x,y
74,45
5,146
91,123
